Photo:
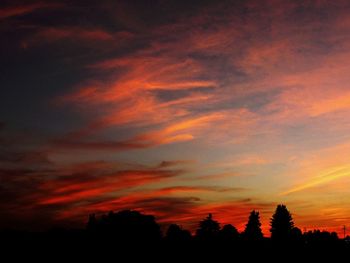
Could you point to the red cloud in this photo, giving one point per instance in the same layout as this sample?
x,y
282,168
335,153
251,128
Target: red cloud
x,y
50,192
58,33
66,190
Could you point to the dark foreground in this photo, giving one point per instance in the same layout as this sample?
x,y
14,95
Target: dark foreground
x,y
129,236
82,246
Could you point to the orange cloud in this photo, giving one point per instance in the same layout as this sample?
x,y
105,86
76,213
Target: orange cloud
x,y
131,99
326,177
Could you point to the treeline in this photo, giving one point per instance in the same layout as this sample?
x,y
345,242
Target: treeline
x,y
132,226
137,235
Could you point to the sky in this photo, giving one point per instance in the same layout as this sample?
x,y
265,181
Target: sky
x,y
176,109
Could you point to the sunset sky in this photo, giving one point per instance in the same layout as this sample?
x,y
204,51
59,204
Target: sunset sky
x,y
175,108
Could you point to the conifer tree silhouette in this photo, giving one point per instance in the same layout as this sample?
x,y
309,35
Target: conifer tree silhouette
x,y
208,228
252,231
281,224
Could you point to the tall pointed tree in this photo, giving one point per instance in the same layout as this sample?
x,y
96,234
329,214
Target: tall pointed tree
x,y
208,228
281,224
252,231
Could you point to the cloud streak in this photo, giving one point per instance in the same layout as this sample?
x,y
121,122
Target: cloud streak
x,y
18,10
328,176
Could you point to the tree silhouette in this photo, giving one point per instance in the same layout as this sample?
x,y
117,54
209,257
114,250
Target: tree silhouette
x,y
252,231
92,223
125,226
281,224
175,234
321,239
132,235
228,234
297,236
208,229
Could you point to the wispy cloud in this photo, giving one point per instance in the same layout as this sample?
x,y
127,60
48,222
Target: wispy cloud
x,y
59,188
325,177
18,10
88,34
